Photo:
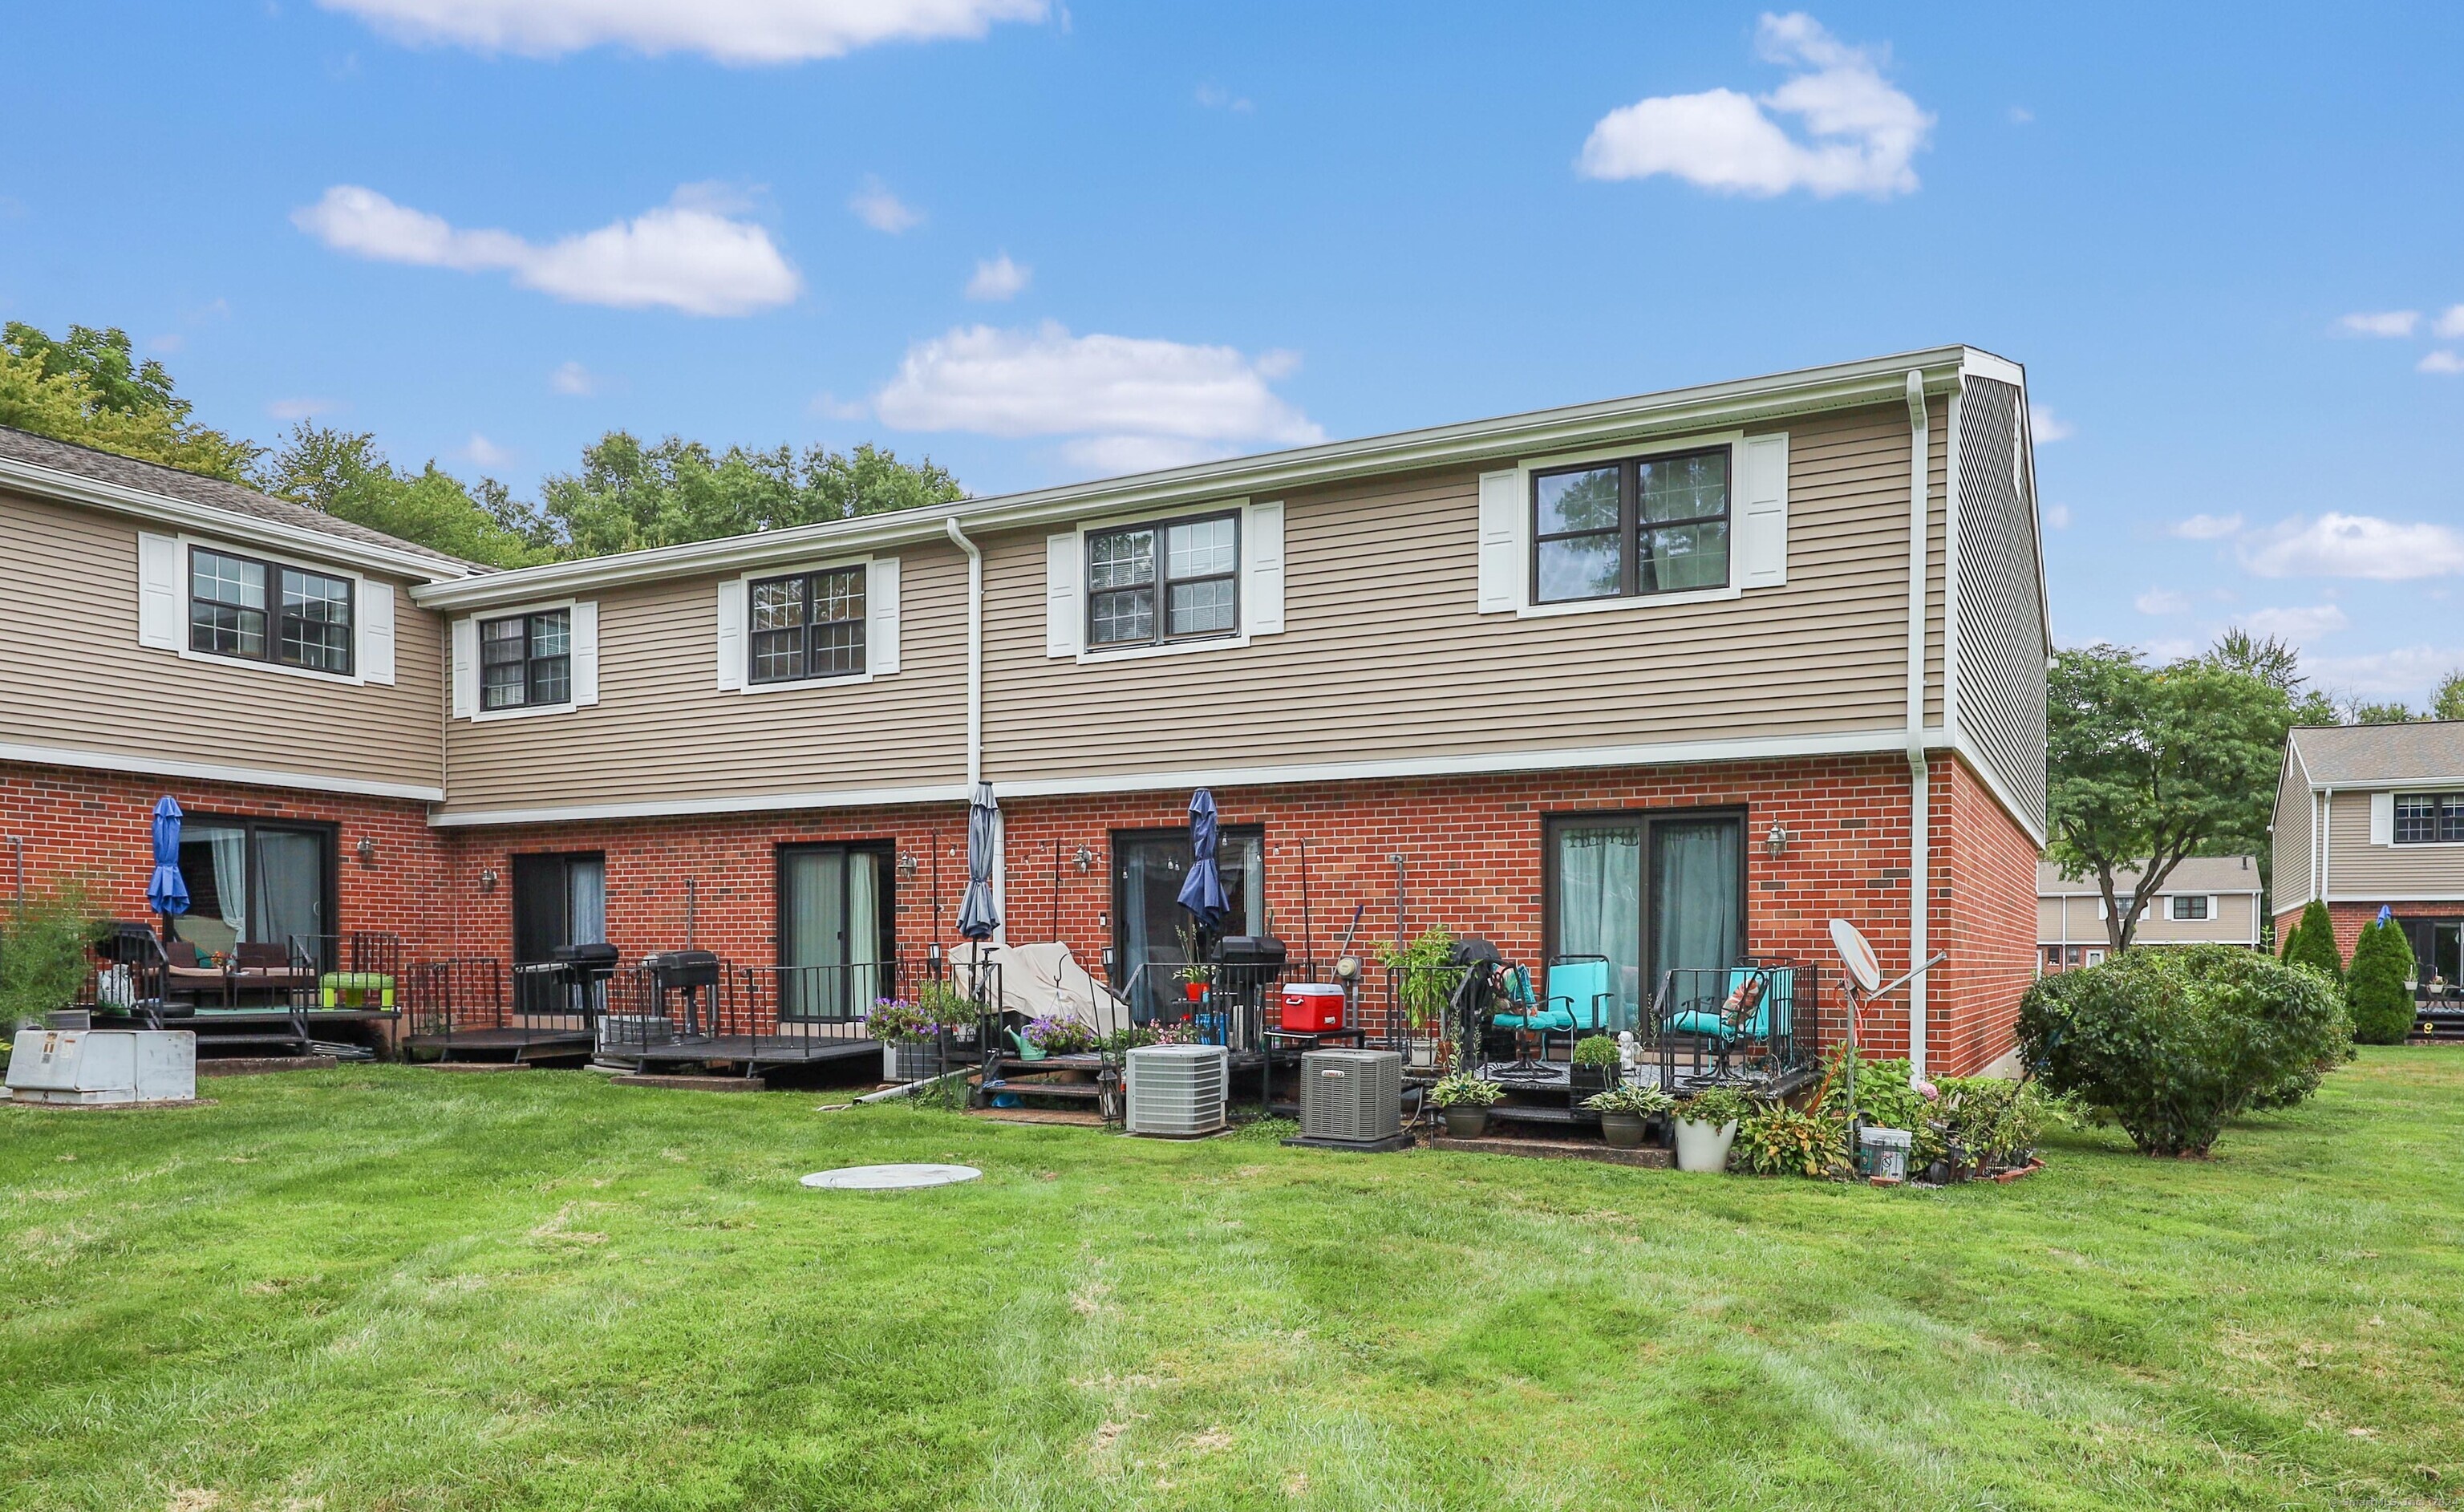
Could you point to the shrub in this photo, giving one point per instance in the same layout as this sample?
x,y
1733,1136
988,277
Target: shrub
x,y
2313,942
2382,1003
43,961
1886,1098
1776,1140
1596,1050
1460,1091
1999,1119
2174,1041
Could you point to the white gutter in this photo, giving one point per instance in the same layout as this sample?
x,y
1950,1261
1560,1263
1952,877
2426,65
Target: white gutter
x,y
974,654
1920,781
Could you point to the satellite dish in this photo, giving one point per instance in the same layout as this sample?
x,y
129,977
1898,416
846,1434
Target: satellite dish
x,y
1864,967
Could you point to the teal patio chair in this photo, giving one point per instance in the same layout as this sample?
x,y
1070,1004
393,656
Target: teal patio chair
x,y
1744,1017
1574,1002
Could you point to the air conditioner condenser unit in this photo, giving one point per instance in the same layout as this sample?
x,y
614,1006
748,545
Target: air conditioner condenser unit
x,y
1178,1091
1351,1099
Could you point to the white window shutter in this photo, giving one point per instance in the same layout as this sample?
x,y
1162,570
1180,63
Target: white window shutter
x,y
1262,575
730,636
1501,541
376,631
2382,819
1762,515
157,592
881,615
466,668
1062,613
582,626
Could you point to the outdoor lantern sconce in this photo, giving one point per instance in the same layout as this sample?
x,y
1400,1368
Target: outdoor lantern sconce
x,y
367,849
1776,842
907,865
488,880
1085,860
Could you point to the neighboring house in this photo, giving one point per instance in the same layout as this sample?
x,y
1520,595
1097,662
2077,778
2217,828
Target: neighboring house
x,y
2370,817
2209,900
1668,679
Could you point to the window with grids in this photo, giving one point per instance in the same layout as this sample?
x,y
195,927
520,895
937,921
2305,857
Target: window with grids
x,y
807,625
266,612
2429,818
1170,581
526,660
2189,909
1645,525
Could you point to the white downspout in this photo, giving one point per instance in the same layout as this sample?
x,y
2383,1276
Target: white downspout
x,y
974,653
1920,778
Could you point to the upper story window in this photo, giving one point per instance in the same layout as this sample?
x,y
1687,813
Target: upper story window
x,y
1645,525
266,612
526,660
2429,818
2189,909
807,625
1170,580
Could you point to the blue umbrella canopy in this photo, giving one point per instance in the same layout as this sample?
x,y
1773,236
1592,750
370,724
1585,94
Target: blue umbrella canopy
x,y
977,917
1203,894
168,893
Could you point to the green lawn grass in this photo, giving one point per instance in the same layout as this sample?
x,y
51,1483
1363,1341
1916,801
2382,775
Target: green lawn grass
x,y
388,1287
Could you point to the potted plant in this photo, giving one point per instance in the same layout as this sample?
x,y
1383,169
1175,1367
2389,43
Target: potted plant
x,y
1625,1111
949,1009
1193,973
1050,1037
1707,1126
1594,1065
1465,1101
1423,976
906,1035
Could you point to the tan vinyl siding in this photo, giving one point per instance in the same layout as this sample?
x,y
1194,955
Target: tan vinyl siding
x,y
663,732
1385,656
85,685
2296,878
2232,921
2001,661
2359,872
2049,921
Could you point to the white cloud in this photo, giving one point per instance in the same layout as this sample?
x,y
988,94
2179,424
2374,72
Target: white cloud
x,y
2045,427
2058,515
2449,324
2162,601
2299,625
2355,546
997,278
485,453
684,255
2444,363
1215,96
2410,672
574,378
1128,404
882,210
302,408
2021,115
729,30
1860,132
2207,527
2380,323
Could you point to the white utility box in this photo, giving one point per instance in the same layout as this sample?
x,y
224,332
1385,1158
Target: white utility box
x,y
103,1065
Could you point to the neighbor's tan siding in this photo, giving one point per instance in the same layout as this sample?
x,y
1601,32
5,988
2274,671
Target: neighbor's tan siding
x,y
2002,650
2359,872
1386,656
82,682
2296,878
2234,922
662,730
2049,921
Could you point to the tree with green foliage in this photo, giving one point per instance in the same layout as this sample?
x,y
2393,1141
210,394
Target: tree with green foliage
x,y
43,963
2366,711
2150,766
2276,663
2313,942
2381,1002
629,495
345,474
89,389
2450,702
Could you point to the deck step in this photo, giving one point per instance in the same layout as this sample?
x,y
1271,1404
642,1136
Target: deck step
x,y
1076,1091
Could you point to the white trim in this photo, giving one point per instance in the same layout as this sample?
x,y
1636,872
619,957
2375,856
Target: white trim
x,y
1131,653
1081,597
735,803
1622,423
215,771
259,533
1631,601
356,677
2000,369
2454,895
1524,606
1920,764
974,654
744,646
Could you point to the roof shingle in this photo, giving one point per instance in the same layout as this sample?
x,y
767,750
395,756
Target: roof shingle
x,y
2350,756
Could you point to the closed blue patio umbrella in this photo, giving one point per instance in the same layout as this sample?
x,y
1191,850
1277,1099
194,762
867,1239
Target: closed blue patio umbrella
x,y
977,917
167,892
1203,894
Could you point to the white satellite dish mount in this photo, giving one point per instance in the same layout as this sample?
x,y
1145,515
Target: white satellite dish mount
x,y
1862,971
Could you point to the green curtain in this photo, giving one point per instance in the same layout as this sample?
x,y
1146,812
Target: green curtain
x,y
1695,881
1599,908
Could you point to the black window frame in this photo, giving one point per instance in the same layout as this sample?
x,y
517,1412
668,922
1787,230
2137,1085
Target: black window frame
x,y
530,662
2442,825
2173,913
1644,822
531,875
809,633
328,835
1160,585
883,854
1631,526
274,612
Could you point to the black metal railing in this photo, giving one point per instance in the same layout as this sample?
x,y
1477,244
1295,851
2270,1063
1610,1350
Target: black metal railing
x,y
1750,1025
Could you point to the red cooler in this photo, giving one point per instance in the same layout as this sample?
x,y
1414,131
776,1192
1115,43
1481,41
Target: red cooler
x,y
1310,1008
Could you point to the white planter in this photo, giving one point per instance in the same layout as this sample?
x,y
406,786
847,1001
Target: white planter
x,y
1701,1146
908,1061
1423,1052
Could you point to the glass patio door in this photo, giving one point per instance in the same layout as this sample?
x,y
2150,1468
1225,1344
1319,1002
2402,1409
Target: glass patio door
x,y
1149,923
1650,893
1696,895
263,883
836,939
1597,885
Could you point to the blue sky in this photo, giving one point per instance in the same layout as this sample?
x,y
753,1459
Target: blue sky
x,y
490,230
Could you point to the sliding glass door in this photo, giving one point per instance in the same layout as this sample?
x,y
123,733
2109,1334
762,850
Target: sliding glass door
x,y
257,881
837,931
1649,893
1149,866
557,901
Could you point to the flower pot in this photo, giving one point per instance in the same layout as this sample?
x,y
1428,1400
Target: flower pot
x,y
1421,1052
1194,991
910,1061
1466,1122
1704,1146
1622,1131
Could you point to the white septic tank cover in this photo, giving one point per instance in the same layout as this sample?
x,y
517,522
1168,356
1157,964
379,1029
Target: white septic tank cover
x,y
890,1178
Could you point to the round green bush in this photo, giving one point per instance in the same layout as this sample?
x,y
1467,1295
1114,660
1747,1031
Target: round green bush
x,y
2175,1040
2382,1003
